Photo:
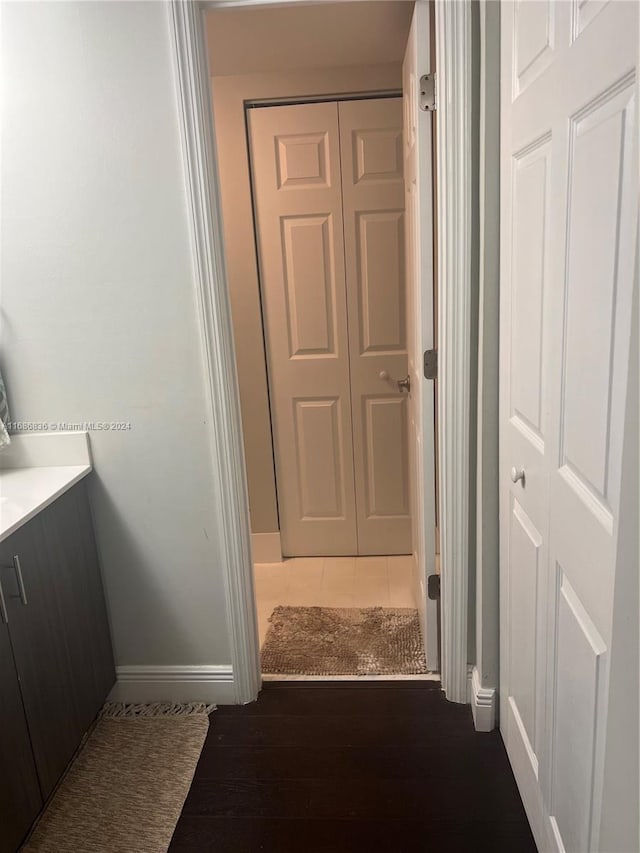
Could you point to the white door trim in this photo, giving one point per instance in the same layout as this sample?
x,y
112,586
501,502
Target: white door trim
x,y
453,182
214,314
174,684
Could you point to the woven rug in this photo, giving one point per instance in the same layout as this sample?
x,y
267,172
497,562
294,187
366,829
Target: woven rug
x,y
343,641
125,789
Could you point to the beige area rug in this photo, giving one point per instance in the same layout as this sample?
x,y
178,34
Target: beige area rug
x,y
343,641
125,789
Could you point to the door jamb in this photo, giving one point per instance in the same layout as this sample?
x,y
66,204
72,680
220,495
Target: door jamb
x,y
453,187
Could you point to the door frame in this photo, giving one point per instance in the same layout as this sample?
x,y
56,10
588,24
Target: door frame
x,y
453,161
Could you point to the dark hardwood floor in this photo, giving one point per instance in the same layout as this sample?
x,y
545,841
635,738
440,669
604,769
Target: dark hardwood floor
x,y
387,767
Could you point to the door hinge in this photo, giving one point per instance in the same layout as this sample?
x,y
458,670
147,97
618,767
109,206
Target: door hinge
x,y
433,587
431,364
428,92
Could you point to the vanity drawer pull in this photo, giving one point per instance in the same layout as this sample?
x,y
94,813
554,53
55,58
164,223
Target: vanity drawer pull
x,y
3,607
18,570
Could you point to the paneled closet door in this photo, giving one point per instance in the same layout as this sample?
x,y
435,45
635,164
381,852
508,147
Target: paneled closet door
x,y
568,246
295,154
373,205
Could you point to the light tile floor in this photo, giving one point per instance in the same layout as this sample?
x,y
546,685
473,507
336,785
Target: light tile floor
x,y
333,582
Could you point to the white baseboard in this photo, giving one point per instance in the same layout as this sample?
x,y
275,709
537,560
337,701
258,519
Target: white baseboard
x,y
266,548
483,703
212,684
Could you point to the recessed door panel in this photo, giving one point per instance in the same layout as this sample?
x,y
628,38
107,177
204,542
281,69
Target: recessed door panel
x,y
380,248
310,285
320,458
583,12
599,135
530,245
385,449
534,37
377,154
302,160
524,570
580,660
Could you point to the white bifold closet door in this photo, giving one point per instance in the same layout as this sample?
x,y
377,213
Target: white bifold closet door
x,y
329,202
568,247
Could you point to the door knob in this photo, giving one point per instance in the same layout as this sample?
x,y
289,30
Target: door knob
x,y
405,384
517,474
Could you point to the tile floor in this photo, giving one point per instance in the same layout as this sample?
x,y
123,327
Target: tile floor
x,y
333,582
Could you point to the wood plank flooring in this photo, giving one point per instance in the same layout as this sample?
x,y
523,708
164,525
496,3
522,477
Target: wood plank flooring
x,y
373,766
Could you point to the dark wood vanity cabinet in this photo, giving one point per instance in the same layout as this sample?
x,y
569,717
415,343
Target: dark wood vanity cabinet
x,y
20,797
57,658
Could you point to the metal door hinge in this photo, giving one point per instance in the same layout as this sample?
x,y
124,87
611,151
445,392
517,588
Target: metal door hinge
x,y
428,92
433,587
431,364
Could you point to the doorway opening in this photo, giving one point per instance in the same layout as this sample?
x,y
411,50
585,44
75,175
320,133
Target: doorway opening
x,y
322,231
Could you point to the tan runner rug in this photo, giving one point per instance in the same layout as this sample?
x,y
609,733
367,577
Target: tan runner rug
x,y
343,641
125,789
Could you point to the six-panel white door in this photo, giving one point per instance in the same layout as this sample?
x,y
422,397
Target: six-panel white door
x,y
328,190
568,243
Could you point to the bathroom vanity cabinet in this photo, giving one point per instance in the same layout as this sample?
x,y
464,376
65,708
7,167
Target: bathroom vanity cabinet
x,y
56,660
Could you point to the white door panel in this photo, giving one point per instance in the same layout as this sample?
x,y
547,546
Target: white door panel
x,y
329,198
526,604
531,175
373,204
320,456
533,36
420,318
568,243
579,653
298,196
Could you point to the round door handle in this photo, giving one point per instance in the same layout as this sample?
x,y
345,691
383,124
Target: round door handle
x,y
404,384
517,474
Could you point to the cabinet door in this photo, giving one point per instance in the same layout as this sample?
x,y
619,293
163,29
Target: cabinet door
x,y
20,798
72,557
60,637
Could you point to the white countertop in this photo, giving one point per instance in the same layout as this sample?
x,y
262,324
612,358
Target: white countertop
x,y
24,492
29,479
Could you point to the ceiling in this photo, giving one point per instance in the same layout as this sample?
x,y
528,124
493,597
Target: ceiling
x,y
285,38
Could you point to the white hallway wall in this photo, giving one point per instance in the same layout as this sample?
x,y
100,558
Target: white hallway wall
x,y
98,311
